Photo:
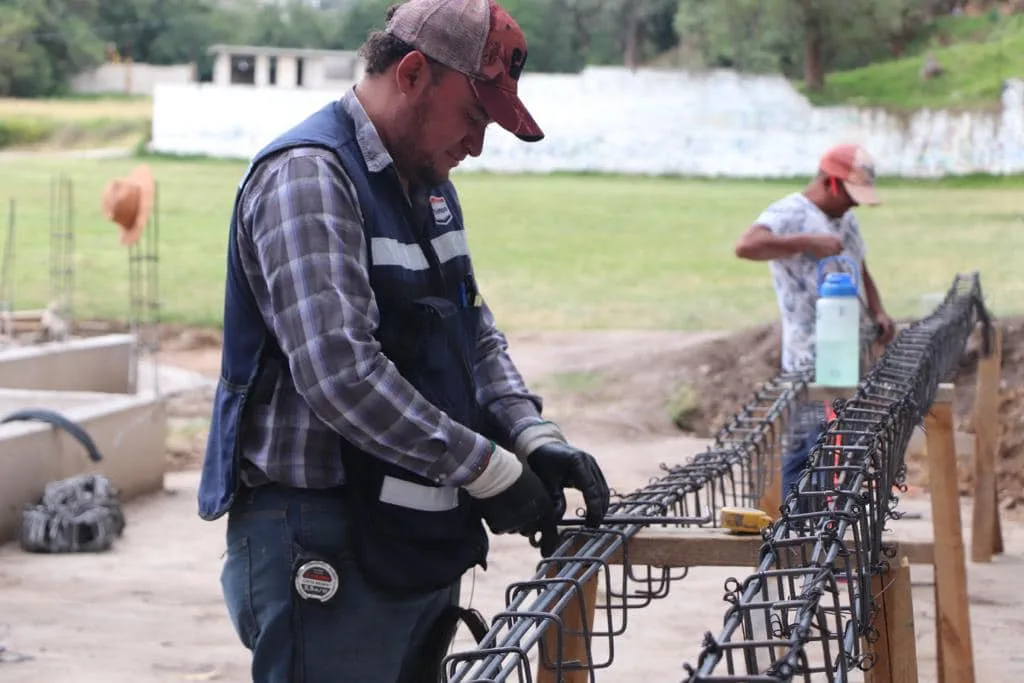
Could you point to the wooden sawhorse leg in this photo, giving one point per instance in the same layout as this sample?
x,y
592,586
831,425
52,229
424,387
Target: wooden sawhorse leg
x,y
986,529
954,648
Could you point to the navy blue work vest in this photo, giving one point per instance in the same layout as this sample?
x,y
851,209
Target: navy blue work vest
x,y
429,318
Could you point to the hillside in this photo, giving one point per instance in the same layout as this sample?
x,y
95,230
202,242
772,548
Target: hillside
x,y
976,53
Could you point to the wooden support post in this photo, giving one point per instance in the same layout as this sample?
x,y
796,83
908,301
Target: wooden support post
x,y
986,529
577,620
952,618
881,669
900,627
896,647
772,496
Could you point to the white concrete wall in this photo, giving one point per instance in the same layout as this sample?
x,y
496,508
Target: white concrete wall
x,y
132,79
649,122
97,364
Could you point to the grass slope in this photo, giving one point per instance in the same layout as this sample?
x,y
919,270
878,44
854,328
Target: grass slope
x,y
566,252
74,122
984,53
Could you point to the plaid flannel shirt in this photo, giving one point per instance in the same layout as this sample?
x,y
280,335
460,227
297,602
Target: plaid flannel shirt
x,y
303,251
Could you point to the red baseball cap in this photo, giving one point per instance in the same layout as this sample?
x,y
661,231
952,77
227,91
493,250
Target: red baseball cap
x,y
852,165
480,39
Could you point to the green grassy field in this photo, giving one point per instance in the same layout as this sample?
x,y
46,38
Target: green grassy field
x,y
551,251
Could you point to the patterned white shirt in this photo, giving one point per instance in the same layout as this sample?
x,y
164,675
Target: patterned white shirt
x,y
795,278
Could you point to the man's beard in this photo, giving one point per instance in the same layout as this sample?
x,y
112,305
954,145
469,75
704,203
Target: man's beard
x,y
415,164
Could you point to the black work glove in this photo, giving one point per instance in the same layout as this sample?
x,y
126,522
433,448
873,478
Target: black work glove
x,y
562,466
524,507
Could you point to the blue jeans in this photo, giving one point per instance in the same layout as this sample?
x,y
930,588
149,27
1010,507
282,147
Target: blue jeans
x,y
795,461
362,635
805,433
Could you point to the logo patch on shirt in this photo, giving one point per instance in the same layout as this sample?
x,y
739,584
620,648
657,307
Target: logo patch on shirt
x,y
442,214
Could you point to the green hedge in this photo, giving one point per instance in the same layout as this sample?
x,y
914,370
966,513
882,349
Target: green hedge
x,y
24,131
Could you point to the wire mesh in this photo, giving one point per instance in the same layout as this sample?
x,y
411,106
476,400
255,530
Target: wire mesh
x,y
812,589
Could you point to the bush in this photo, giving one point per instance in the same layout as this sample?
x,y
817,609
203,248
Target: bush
x,y
24,131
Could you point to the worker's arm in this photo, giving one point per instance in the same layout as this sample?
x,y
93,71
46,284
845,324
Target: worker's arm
x,y
305,228
761,243
514,411
887,327
503,393
540,443
871,290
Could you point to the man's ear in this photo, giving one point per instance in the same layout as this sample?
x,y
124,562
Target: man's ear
x,y
412,73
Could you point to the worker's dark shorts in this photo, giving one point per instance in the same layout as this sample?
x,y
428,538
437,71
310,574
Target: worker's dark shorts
x,y
360,635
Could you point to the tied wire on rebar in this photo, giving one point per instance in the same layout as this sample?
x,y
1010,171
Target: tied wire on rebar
x,y
734,471
802,615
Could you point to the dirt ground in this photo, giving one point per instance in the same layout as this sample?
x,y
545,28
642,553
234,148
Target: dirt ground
x,y
151,609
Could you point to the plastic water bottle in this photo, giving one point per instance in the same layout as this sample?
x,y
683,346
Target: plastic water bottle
x,y
837,328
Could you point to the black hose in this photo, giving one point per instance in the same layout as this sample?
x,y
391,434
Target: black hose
x,y
57,420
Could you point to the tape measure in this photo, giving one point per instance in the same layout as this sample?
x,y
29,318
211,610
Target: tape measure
x,y
743,520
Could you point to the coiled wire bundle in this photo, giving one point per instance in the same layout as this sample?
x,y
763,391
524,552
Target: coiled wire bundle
x,y
78,514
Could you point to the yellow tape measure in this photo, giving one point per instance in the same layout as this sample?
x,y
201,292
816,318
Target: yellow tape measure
x,y
743,520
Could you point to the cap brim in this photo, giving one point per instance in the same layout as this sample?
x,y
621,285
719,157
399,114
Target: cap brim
x,y
865,195
508,111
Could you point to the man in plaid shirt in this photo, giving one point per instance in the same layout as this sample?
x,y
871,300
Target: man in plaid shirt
x,y
368,417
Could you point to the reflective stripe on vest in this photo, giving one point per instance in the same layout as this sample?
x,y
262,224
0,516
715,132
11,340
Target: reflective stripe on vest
x,y
409,494
386,251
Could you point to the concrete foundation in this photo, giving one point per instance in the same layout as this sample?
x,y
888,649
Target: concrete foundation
x,y
103,364
129,432
93,383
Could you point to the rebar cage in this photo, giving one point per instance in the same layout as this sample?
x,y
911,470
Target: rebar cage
x,y
801,615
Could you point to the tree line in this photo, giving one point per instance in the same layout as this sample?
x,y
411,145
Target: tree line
x,y
43,43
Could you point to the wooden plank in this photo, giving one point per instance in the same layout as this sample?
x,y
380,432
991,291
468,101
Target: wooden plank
x,y
577,620
717,548
772,496
952,617
881,669
986,530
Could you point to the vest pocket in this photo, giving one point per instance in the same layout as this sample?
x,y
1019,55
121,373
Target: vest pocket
x,y
440,365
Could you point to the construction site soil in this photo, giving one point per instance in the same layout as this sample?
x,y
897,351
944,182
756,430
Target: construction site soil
x,y
686,382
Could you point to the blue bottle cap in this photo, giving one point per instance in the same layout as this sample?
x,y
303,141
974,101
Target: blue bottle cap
x,y
837,284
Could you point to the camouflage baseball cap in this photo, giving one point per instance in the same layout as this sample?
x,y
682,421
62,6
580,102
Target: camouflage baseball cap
x,y
480,39
852,165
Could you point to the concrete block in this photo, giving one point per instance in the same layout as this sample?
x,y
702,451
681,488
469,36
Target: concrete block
x,y
130,431
101,364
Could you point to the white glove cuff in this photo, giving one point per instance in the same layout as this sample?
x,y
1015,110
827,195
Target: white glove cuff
x,y
535,436
501,472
